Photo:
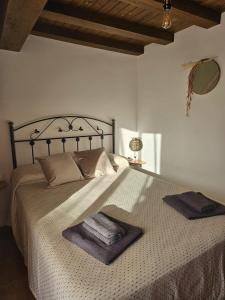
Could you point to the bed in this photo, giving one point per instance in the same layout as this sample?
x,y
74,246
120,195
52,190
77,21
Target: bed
x,y
174,259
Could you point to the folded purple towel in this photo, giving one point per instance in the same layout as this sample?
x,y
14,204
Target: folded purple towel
x,y
198,201
191,214
81,237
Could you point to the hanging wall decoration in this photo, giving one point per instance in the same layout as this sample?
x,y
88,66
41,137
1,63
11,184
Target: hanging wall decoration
x,y
203,78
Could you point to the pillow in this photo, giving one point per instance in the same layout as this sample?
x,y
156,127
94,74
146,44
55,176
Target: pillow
x,y
118,161
94,163
60,168
27,174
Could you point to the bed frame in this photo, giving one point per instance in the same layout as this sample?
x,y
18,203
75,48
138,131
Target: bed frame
x,y
75,130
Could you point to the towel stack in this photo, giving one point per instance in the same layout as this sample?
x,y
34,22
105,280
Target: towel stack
x,y
103,228
102,236
194,205
198,202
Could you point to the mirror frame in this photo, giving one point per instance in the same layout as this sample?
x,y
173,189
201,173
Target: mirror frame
x,y
190,82
193,74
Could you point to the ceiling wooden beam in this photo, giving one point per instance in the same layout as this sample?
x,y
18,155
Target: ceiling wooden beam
x,y
17,20
68,35
194,12
76,16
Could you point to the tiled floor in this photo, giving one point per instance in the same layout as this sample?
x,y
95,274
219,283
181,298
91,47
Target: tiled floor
x,y
13,273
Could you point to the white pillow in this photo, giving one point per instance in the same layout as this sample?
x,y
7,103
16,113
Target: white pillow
x,y
118,162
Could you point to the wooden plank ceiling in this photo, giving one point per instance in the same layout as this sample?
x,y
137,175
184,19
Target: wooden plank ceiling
x,y
117,25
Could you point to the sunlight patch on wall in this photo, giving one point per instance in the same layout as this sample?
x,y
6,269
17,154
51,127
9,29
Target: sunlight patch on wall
x,y
151,152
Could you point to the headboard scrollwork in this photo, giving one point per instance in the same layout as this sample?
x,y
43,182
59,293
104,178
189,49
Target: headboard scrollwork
x,y
69,127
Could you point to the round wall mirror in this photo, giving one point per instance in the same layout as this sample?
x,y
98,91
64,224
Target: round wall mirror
x,y
205,76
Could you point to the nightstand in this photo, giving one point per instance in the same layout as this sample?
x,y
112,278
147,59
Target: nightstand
x,y
136,163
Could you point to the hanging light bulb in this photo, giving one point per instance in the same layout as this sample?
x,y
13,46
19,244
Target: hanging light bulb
x,y
167,18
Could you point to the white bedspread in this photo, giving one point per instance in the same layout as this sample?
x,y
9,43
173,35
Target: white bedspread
x,y
175,259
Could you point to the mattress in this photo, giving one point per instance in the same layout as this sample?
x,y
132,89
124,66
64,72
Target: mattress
x,y
175,259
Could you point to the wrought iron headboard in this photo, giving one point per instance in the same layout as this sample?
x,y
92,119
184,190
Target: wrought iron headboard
x,y
36,135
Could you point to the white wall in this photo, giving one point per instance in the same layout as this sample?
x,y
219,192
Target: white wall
x,y
50,77
186,150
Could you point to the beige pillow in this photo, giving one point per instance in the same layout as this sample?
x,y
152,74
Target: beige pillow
x,y
94,163
59,169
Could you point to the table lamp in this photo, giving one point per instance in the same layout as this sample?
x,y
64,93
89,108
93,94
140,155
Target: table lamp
x,y
135,145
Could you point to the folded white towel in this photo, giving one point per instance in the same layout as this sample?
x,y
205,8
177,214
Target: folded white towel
x,y
107,241
103,225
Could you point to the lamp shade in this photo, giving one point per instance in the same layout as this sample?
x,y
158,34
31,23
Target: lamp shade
x,y
136,144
